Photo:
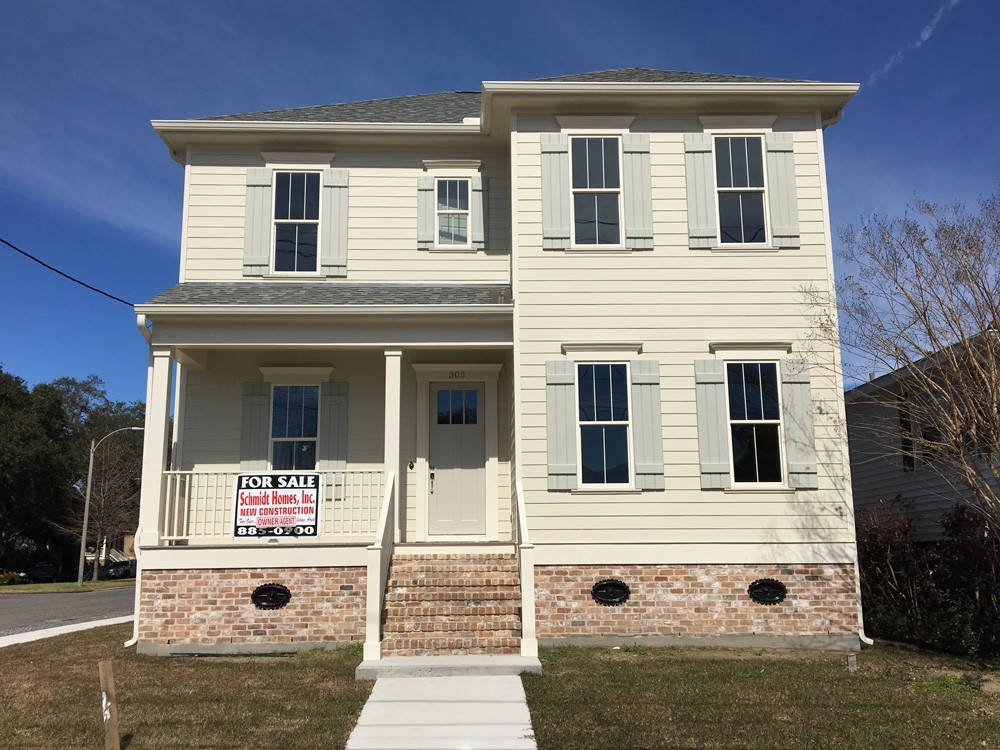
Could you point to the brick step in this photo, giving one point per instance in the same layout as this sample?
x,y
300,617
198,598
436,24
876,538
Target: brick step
x,y
470,580
457,609
474,596
426,626
422,646
453,570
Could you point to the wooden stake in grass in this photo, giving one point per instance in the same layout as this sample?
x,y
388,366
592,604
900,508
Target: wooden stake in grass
x,y
109,706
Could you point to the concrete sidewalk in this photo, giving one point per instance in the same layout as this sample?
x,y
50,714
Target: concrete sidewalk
x,y
37,635
441,713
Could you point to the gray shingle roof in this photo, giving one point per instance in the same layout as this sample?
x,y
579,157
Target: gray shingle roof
x,y
454,106
332,293
446,106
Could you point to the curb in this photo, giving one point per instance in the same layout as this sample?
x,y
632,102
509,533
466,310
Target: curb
x,y
37,635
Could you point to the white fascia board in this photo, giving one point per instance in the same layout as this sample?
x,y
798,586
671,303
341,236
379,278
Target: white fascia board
x,y
265,311
830,97
270,126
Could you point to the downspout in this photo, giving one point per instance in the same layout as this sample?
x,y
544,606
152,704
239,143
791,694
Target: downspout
x,y
140,321
861,615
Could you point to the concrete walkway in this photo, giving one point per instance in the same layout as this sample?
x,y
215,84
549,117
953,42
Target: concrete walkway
x,y
442,713
37,635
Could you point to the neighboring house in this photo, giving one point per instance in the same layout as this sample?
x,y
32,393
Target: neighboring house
x,y
894,467
534,338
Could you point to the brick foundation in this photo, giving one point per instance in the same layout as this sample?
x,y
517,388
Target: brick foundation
x,y
213,607
695,601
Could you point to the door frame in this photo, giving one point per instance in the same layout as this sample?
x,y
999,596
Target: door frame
x,y
488,375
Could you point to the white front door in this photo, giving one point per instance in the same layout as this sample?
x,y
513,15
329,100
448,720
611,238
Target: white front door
x,y
457,460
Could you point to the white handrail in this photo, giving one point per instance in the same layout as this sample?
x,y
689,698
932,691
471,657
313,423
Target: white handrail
x,y
379,558
526,572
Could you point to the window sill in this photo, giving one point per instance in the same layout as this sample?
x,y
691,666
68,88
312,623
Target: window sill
x,y
753,490
456,249
744,249
606,491
599,249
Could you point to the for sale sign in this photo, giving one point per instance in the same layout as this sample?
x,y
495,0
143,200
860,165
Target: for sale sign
x,y
277,503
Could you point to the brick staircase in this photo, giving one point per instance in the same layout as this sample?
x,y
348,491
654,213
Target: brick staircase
x,y
452,604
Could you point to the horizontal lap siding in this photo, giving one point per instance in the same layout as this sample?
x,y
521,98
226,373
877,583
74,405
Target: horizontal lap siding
x,y
882,485
382,221
675,301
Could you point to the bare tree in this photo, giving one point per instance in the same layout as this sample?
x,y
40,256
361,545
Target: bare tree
x,y
921,301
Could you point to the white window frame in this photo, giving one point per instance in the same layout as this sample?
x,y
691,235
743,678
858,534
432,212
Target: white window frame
x,y
271,440
275,221
620,190
742,133
452,212
782,462
593,486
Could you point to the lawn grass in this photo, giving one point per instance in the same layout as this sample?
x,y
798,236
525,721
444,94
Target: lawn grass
x,y
66,587
51,696
642,699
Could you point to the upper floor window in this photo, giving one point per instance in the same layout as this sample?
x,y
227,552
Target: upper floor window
x,y
596,180
603,417
739,180
294,427
754,421
452,213
296,221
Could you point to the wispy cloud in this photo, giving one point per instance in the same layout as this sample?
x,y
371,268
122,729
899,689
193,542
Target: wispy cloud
x,y
925,33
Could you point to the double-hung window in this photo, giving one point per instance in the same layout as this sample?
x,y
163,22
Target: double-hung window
x,y
755,422
296,221
603,417
452,212
294,427
596,179
739,181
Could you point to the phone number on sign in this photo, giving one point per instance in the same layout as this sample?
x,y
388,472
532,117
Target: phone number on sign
x,y
276,531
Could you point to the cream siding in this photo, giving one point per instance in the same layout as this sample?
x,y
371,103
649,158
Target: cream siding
x,y
382,220
675,301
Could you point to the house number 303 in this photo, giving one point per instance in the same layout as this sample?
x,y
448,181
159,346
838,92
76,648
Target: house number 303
x,y
456,375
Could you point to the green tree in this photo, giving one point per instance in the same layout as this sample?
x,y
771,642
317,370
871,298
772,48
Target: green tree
x,y
34,472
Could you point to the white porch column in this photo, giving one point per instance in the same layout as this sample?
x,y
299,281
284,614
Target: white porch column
x,y
156,440
393,360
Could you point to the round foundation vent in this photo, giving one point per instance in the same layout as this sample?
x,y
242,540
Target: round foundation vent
x,y
610,592
767,591
270,596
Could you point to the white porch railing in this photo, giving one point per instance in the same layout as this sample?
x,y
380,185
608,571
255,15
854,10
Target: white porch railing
x,y
526,569
379,558
198,505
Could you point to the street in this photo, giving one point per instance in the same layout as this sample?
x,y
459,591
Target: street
x,y
20,613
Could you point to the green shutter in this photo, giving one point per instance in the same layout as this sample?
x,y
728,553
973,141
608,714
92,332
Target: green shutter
x,y
647,424
255,429
797,414
480,211
699,170
333,223
713,425
555,191
560,423
332,449
425,212
638,192
257,223
782,195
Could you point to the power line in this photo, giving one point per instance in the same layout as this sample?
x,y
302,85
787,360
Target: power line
x,y
41,262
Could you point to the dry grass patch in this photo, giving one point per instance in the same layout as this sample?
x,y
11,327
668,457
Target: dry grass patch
x,y
67,587
646,698
52,696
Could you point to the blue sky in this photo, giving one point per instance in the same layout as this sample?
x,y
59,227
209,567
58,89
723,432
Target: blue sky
x,y
87,185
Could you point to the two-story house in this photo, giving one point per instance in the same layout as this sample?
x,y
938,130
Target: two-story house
x,y
529,364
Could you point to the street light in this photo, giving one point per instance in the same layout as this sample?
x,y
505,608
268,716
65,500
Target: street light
x,y
86,502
